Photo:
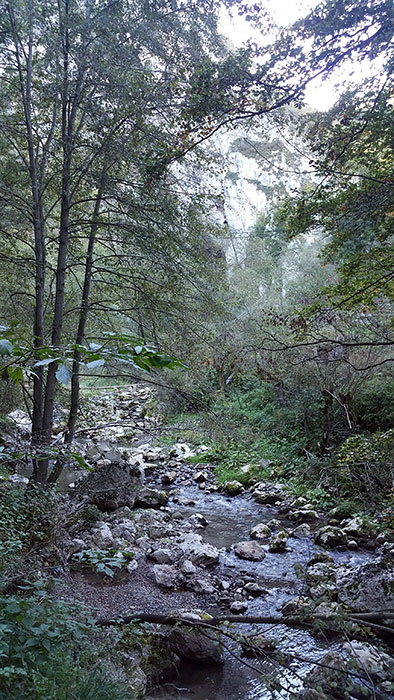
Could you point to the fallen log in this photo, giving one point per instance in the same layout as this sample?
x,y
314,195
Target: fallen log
x,y
183,619
369,620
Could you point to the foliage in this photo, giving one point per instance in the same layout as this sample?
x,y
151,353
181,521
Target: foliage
x,y
46,652
104,561
366,464
27,515
374,404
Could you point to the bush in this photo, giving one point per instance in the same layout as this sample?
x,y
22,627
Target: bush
x,y
28,515
46,652
374,404
366,464
10,396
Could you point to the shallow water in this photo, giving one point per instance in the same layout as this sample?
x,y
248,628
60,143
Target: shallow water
x,y
229,521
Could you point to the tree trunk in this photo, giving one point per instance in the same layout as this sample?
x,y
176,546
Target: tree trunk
x,y
327,421
25,75
83,316
70,104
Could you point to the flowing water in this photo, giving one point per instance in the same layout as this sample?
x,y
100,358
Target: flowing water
x,y
229,521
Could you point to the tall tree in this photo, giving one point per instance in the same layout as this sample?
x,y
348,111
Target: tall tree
x,y
95,95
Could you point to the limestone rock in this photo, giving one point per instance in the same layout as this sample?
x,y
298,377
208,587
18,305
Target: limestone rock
x,y
358,527
330,536
165,575
201,585
198,520
112,486
367,587
238,607
327,681
278,541
303,530
102,536
181,450
304,515
169,477
188,568
200,477
260,532
162,556
233,488
371,660
253,588
190,643
197,551
124,529
249,550
151,498
267,496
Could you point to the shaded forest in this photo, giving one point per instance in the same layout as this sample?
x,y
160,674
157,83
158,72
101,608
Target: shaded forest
x,y
122,304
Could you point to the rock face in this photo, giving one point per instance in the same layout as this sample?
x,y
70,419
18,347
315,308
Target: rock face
x,y
249,550
367,587
112,486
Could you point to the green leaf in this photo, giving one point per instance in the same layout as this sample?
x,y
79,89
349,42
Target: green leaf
x,y
6,348
96,363
80,460
63,374
47,361
15,373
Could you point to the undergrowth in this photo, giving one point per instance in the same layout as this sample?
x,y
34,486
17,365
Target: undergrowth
x,y
279,439
49,649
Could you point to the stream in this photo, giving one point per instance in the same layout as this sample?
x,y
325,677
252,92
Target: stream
x,y
229,521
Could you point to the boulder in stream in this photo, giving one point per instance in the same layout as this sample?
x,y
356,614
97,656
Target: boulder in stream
x,y
367,587
330,536
169,477
189,643
260,532
278,541
249,550
233,488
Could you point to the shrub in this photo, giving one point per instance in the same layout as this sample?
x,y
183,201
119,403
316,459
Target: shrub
x,y
374,404
28,515
46,652
366,464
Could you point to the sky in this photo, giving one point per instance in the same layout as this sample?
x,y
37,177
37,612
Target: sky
x,y
319,95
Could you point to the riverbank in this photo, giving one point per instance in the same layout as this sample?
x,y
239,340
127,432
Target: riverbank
x,y
170,539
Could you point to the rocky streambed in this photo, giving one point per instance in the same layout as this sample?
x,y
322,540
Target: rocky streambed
x,y
181,544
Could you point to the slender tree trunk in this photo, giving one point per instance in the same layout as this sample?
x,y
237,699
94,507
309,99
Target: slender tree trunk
x,y
327,421
25,74
83,316
70,104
